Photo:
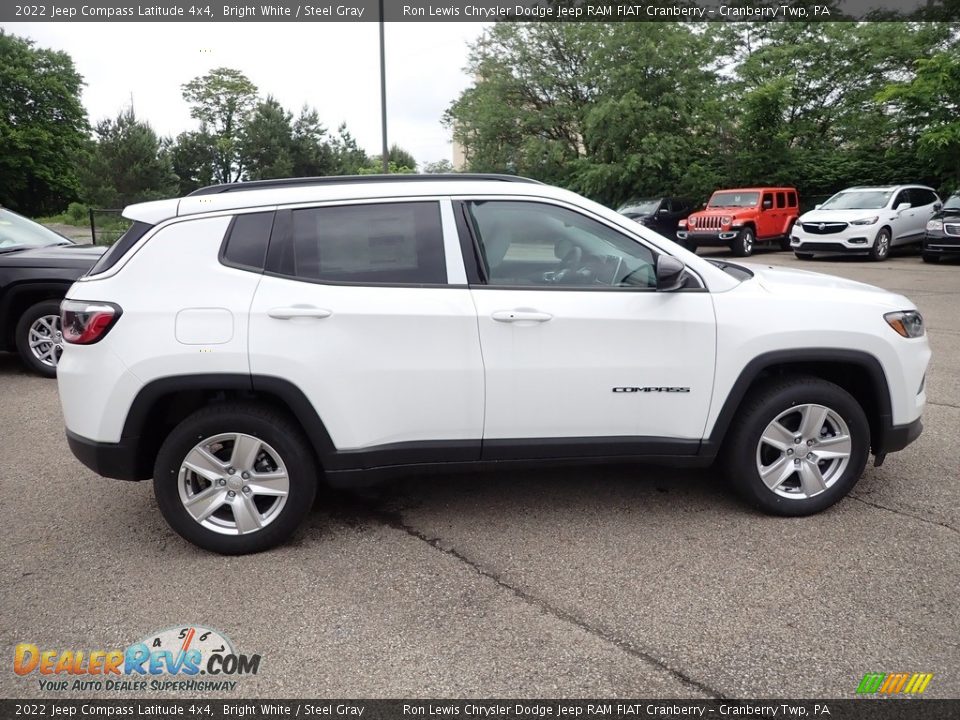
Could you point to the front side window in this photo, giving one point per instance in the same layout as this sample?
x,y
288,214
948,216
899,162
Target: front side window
x,y
540,245
383,243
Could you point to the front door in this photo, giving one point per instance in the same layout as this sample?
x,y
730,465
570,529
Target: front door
x,y
581,353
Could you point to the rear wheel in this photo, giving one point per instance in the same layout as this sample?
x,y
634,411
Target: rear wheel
x,y
928,258
235,479
743,244
799,446
39,338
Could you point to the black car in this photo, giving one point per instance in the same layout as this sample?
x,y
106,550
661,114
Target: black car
x,y
659,214
942,238
37,267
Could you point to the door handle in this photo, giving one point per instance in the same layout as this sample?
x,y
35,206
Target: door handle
x,y
521,316
298,311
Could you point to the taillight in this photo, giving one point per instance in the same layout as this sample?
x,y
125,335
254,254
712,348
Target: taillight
x,y
84,323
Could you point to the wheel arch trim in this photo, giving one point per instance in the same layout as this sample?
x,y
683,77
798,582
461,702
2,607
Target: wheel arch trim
x,y
764,362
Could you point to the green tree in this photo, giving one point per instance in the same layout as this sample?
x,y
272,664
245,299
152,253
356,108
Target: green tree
x,y
439,167
222,100
348,157
266,146
127,164
193,159
929,104
42,126
396,158
313,154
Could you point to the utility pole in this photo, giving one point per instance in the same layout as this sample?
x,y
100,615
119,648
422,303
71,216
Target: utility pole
x,y
383,95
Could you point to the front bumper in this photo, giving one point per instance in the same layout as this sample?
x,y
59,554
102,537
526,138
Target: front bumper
x,y
941,244
113,460
853,240
714,237
892,438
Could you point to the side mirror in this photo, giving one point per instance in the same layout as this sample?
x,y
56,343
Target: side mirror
x,y
903,206
817,206
937,207
671,273
768,204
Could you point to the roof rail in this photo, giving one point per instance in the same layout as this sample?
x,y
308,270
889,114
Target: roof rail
x,y
345,179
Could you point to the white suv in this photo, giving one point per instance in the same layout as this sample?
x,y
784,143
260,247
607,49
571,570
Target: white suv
x,y
243,343
865,221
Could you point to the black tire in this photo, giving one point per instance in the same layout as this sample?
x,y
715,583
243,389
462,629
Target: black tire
x,y
742,245
280,434
881,245
785,242
47,308
744,452
804,256
928,258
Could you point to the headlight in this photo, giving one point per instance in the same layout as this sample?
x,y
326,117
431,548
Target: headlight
x,y
865,221
726,220
692,222
908,323
935,225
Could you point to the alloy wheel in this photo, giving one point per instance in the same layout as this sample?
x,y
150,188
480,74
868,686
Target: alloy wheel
x,y
803,451
46,339
233,483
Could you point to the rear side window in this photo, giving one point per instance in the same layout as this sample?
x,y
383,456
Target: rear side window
x,y
781,200
384,243
120,247
791,199
246,243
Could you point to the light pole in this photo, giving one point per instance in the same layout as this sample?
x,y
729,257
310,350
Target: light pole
x,y
383,95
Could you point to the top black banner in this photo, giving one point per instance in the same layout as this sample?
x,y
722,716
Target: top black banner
x,y
483,11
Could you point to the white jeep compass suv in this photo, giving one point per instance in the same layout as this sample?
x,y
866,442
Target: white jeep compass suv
x,y
865,221
248,341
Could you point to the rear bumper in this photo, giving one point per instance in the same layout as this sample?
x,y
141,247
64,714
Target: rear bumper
x,y
112,460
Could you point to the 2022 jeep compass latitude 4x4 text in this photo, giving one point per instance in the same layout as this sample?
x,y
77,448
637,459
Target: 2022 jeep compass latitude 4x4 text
x,y
246,342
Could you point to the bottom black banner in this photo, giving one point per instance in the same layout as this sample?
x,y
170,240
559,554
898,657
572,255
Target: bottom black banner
x,y
853,709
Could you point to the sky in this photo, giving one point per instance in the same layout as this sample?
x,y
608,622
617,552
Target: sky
x,y
334,67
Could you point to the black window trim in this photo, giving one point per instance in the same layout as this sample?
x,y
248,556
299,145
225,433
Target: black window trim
x,y
283,232
478,282
124,244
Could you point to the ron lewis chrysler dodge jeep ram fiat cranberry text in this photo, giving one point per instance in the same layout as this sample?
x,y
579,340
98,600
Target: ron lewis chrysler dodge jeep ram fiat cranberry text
x,y
243,343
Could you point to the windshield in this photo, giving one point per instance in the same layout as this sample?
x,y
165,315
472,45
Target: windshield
x,y
858,200
952,204
636,206
734,199
18,232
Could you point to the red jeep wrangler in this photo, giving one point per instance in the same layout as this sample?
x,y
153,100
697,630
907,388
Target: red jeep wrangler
x,y
741,218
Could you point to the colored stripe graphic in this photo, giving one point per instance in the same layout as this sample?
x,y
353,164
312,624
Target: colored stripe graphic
x,y
894,683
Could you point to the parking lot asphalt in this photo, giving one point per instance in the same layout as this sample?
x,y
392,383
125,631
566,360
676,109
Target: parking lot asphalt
x,y
618,581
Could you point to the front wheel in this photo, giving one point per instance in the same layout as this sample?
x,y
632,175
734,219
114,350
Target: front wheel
x,y
799,446
39,338
743,244
881,245
235,479
928,258
804,256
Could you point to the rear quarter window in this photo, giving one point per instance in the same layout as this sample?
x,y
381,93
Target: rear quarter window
x,y
116,251
245,245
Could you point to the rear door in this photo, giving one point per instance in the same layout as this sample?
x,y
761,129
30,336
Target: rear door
x,y
582,354
364,307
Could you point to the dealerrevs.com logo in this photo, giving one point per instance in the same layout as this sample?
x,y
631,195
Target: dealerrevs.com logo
x,y
189,658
